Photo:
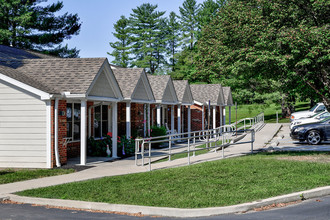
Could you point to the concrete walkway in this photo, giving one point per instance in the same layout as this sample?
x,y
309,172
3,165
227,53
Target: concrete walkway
x,y
121,167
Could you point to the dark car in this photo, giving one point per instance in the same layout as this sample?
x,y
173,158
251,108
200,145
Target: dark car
x,y
313,133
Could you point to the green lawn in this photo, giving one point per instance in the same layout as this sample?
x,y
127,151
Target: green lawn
x,y
246,111
201,149
218,183
11,175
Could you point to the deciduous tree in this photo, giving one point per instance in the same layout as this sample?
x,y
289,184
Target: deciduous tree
x,y
287,41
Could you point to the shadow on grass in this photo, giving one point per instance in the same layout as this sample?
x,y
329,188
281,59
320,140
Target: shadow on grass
x,y
4,172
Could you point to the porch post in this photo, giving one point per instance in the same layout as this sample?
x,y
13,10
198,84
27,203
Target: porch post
x,y
221,115
128,119
158,115
183,108
148,109
229,114
114,129
214,116
203,126
163,115
224,115
179,118
144,121
89,122
83,121
172,119
189,120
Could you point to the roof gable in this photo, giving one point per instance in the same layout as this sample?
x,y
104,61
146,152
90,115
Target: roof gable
x,y
134,84
228,96
163,89
182,89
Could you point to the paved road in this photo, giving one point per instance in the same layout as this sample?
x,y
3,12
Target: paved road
x,y
311,209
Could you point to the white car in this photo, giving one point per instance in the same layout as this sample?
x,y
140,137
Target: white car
x,y
313,119
318,108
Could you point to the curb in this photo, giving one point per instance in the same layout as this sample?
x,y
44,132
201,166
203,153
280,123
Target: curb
x,y
173,212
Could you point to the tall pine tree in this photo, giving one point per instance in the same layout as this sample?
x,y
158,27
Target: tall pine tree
x,y
173,37
189,21
26,24
121,48
146,27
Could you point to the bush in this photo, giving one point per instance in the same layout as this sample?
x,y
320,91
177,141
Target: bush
x,y
156,132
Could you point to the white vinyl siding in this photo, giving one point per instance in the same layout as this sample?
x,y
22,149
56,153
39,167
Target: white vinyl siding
x,y
167,97
22,129
102,87
140,92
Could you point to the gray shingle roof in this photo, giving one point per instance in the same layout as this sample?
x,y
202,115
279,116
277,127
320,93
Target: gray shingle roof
x,y
205,92
9,53
127,79
54,76
158,85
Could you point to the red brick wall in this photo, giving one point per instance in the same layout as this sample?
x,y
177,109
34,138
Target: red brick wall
x,y
137,119
196,118
61,132
121,120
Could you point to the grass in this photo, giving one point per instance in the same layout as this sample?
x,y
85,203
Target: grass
x,y
218,183
199,151
11,175
246,111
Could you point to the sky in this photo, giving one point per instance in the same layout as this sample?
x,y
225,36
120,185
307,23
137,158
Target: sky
x,y
98,18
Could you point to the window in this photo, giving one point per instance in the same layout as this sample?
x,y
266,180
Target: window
x,y
101,121
73,120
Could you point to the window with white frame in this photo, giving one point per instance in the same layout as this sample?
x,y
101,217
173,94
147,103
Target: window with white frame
x,y
101,119
73,117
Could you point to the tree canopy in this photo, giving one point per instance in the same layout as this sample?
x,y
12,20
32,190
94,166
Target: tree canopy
x,y
28,25
287,41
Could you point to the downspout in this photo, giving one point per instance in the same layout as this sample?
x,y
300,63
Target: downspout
x,y
57,156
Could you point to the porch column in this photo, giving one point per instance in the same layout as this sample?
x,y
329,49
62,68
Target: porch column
x,y
229,114
148,109
189,120
172,119
114,129
83,121
221,115
214,116
128,119
163,114
144,121
203,126
158,115
224,115
89,122
183,108
179,118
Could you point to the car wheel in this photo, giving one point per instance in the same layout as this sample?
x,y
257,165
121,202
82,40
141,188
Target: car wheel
x,y
313,137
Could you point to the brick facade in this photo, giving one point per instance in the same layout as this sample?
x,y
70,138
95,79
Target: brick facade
x,y
137,119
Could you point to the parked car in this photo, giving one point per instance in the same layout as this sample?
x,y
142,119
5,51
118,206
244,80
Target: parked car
x,y
318,108
313,133
312,119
